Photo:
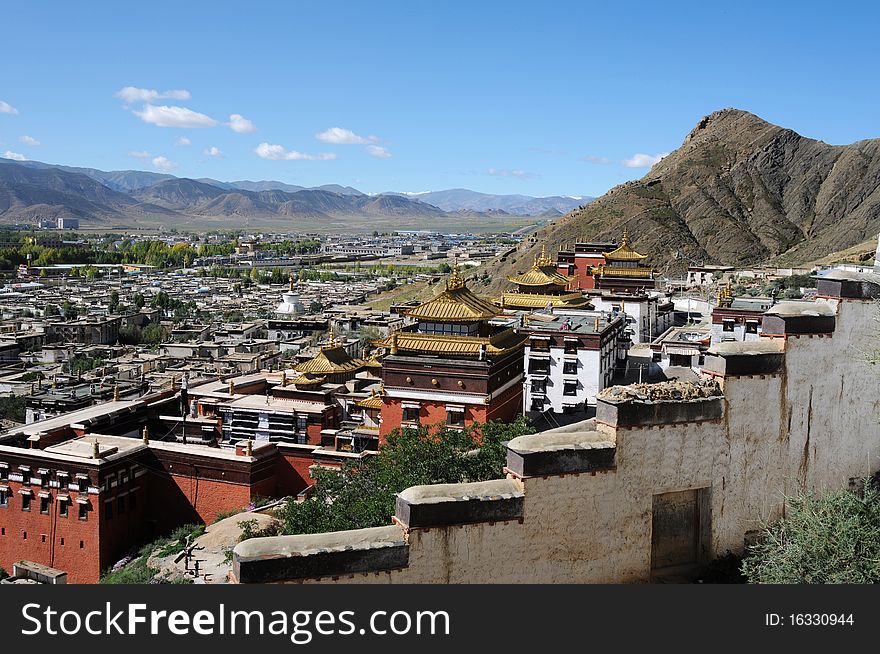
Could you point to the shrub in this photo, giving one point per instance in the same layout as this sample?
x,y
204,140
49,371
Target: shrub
x,y
823,539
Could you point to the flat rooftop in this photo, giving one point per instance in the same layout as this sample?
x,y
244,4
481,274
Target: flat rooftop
x,y
84,448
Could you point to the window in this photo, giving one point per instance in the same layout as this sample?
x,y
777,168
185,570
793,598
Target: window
x,y
455,417
540,344
44,505
108,510
4,473
570,388
4,498
120,505
25,502
751,326
537,404
410,414
539,366
83,513
25,476
539,386
63,505
727,325
570,368
571,347
132,499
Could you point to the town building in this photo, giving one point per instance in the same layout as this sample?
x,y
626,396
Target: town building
x,y
738,318
579,261
452,366
624,270
542,287
569,359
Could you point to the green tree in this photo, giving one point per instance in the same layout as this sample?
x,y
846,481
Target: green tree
x,y
155,334
131,335
138,300
823,539
12,408
362,494
114,301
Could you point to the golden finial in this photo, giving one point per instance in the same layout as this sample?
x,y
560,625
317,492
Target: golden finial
x,y
625,240
96,450
543,260
116,393
290,279
283,378
146,435
394,343
231,387
249,448
455,279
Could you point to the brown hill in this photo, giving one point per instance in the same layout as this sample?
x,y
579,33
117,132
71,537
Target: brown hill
x,y
738,191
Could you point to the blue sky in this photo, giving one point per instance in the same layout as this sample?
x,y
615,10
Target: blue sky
x,y
502,97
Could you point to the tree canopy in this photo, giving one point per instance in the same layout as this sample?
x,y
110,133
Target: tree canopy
x,y
362,494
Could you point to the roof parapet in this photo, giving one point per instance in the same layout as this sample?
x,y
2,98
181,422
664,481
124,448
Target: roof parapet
x,y
573,449
306,556
439,505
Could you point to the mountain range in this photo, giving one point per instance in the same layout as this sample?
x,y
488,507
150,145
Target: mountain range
x,y
739,191
30,190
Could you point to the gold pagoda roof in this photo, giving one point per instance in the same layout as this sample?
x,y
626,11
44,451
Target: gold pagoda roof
x,y
373,362
309,379
372,402
513,300
500,343
456,304
332,359
625,251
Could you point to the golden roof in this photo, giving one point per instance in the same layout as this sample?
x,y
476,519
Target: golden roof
x,y
622,271
456,304
624,252
309,379
499,343
330,360
515,300
542,273
372,402
373,362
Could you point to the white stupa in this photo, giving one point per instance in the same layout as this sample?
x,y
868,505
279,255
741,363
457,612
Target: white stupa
x,y
290,305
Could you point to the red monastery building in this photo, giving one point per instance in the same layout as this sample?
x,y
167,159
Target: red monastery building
x,y
452,366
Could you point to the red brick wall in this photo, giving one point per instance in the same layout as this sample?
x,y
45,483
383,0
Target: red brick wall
x,y
292,473
44,536
506,406
431,413
181,498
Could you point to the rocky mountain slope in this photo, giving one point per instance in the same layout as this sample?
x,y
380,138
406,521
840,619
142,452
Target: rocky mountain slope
x,y
738,191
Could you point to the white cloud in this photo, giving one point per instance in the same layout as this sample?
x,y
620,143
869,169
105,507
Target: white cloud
x,y
28,140
164,164
240,124
139,154
182,140
342,136
15,156
132,94
602,161
378,151
165,116
6,108
641,160
213,151
278,153
504,172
